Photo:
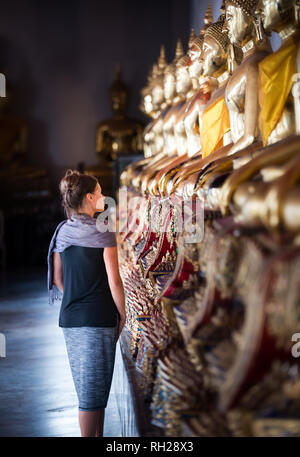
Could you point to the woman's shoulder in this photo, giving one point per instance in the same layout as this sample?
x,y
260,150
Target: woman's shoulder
x,y
108,239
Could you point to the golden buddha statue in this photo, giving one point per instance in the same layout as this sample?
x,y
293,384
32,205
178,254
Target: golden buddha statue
x,y
153,132
152,109
270,199
242,88
215,118
178,135
171,76
162,128
277,115
242,105
162,100
193,114
148,107
183,86
274,203
188,121
119,135
244,31
215,123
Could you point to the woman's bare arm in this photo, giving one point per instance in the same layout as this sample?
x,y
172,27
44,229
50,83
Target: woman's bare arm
x,y
110,256
58,272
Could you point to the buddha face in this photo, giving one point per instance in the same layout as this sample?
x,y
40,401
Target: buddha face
x,y
211,55
270,12
118,102
157,95
183,80
147,102
195,63
169,86
237,24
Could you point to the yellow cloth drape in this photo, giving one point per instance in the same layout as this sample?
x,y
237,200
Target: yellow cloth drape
x,y
215,123
275,83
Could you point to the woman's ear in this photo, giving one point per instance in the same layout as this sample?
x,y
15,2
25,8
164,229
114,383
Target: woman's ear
x,y
89,196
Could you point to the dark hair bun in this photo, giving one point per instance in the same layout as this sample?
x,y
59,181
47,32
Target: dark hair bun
x,y
70,181
73,188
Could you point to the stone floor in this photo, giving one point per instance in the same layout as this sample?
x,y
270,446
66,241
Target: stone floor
x,y
37,395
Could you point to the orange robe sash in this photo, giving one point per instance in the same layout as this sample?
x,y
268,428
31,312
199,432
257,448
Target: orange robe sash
x,y
215,123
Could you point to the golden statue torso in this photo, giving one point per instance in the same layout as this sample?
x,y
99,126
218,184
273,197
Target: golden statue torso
x,y
119,136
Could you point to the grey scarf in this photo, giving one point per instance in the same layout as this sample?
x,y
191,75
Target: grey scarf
x,y
78,230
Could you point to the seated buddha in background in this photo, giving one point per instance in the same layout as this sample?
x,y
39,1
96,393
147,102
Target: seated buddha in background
x,y
116,137
270,197
119,135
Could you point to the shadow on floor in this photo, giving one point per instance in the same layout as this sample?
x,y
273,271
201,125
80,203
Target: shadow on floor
x,y
37,395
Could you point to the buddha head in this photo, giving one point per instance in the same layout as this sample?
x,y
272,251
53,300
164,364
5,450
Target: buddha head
x,y
146,93
118,93
170,74
169,85
157,83
214,49
157,93
183,79
146,105
275,13
195,62
239,22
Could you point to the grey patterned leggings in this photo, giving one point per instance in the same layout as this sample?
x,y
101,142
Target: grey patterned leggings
x,y
91,352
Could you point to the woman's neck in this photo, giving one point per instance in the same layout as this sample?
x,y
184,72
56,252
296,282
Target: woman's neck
x,y
87,213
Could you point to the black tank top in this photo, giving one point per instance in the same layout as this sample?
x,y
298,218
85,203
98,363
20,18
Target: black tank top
x,y
87,300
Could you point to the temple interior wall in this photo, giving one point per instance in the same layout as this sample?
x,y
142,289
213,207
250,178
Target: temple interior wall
x,y
60,57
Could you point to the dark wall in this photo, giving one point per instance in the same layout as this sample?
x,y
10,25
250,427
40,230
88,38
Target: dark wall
x,y
61,55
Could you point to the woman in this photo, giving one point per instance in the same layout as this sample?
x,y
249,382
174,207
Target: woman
x,y
83,272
